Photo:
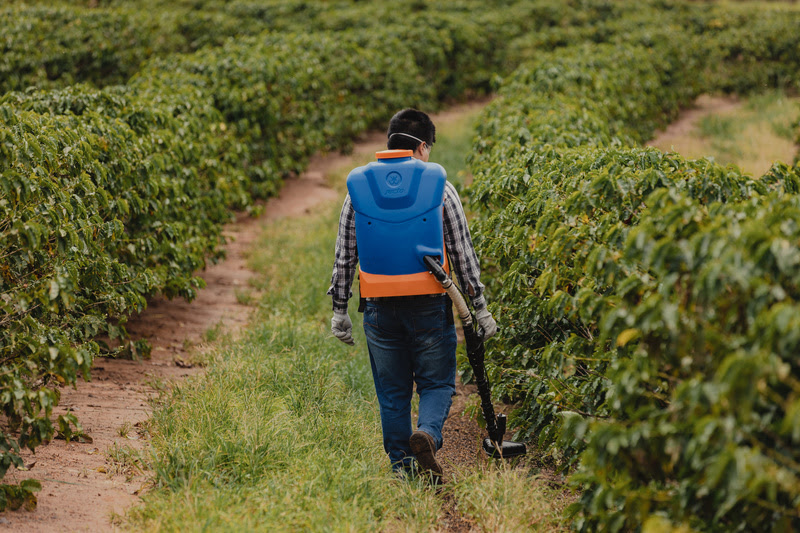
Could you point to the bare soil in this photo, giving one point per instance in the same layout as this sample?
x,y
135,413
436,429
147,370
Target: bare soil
x,y
86,484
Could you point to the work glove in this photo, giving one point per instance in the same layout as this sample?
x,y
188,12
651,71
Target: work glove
x,y
486,322
342,327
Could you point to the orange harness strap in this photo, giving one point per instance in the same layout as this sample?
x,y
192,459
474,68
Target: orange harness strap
x,y
380,285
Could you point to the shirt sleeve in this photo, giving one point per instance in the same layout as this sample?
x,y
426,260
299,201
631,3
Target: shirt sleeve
x,y
344,266
460,248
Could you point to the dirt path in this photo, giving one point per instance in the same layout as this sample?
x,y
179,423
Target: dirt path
x,y
678,134
85,484
750,133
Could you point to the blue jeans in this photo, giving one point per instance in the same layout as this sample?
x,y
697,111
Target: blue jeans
x,y
411,341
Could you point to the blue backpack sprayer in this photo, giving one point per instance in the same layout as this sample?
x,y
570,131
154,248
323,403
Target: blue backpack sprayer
x,y
398,201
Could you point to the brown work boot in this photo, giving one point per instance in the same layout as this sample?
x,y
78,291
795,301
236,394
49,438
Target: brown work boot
x,y
424,449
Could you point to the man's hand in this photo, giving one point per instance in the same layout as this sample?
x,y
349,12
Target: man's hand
x,y
342,327
486,322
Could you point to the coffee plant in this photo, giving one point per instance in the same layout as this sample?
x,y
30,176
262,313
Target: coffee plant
x,y
52,46
645,300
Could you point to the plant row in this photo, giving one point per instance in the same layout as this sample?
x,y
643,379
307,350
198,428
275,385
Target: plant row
x,y
646,302
48,44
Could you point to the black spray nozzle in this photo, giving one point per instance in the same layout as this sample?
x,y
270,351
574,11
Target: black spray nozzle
x,y
506,450
498,448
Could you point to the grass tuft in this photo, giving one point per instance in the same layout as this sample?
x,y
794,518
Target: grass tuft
x,y
500,497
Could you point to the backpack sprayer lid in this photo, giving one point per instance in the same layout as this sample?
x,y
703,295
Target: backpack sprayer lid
x,y
393,154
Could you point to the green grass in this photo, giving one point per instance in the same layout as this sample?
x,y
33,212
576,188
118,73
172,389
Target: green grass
x,y
719,127
501,498
282,431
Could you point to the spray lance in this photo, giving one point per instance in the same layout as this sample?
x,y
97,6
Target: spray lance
x,y
494,445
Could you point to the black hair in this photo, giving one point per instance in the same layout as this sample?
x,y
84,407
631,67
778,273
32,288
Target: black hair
x,y
411,122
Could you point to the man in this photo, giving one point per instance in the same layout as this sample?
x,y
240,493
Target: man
x,y
411,337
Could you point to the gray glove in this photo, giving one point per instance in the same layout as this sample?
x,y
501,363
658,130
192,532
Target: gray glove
x,y
486,322
342,327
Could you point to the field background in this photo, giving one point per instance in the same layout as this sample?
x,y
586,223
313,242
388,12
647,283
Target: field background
x,y
646,298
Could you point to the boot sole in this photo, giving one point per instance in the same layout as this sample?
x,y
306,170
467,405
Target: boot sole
x,y
423,448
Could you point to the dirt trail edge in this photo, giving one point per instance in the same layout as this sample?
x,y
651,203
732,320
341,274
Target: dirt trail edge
x,y
85,484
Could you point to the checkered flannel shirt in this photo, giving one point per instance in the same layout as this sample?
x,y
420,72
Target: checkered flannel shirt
x,y
458,243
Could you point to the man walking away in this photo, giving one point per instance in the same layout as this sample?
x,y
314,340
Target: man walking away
x,y
394,206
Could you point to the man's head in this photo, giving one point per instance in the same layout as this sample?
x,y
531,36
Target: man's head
x,y
413,130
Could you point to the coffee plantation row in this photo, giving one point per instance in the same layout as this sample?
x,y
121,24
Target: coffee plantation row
x,y
648,304
50,44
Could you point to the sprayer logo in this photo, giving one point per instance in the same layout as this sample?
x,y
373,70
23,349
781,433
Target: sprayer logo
x,y
394,179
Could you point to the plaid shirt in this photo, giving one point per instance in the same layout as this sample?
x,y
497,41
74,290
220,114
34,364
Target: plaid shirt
x,y
458,243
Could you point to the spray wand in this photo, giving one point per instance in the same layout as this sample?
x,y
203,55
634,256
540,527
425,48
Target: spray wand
x,y
494,446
